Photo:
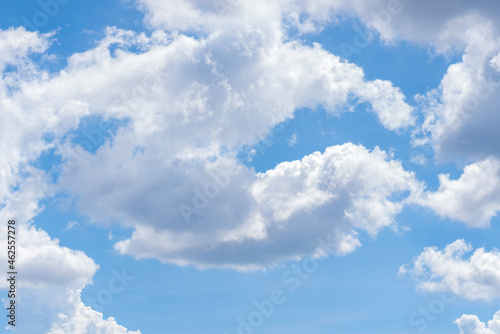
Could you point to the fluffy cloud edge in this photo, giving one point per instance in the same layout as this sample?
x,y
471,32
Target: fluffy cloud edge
x,y
470,324
476,277
473,198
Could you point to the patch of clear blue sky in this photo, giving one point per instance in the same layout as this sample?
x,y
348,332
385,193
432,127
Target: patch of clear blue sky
x,y
358,293
93,131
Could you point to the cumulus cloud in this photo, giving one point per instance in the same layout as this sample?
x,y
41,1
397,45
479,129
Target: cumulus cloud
x,y
419,21
190,103
43,256
192,100
474,198
202,213
18,146
470,324
461,116
17,43
475,277
52,275
84,320
49,271
422,22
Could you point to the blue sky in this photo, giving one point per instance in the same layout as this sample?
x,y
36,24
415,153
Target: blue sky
x,y
173,165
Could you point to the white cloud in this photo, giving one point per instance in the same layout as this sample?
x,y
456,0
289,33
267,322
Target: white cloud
x,y
255,30
495,63
16,44
426,22
201,98
461,116
43,256
470,324
18,146
188,86
70,225
84,320
190,111
293,140
49,273
440,24
474,198
191,103
259,218
476,277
